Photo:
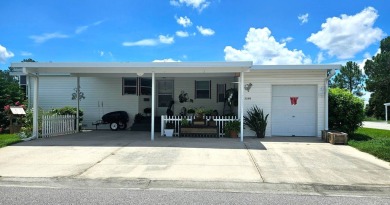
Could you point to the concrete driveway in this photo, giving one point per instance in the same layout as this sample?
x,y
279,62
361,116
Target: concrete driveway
x,y
131,155
382,125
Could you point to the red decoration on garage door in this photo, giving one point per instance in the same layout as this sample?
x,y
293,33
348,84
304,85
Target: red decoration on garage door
x,y
294,100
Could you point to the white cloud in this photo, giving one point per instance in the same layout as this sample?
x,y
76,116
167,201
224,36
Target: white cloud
x,y
320,57
25,53
47,36
184,21
303,18
205,31
166,39
367,56
182,34
166,60
101,53
262,48
144,42
196,4
345,36
151,42
286,40
4,54
81,29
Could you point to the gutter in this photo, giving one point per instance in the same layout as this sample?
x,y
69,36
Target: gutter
x,y
326,107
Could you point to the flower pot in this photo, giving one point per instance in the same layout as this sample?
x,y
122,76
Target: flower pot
x,y
168,132
233,134
212,123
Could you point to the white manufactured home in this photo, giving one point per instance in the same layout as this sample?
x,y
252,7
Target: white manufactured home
x,y
294,96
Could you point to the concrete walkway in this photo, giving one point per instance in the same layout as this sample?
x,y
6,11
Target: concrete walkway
x,y
131,156
376,125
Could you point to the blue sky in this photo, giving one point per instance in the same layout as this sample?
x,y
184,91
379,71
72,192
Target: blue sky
x,y
266,32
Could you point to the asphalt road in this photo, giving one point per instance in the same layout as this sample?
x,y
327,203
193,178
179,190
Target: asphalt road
x,y
46,195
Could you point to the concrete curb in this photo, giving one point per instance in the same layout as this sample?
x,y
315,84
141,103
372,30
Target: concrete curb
x,y
226,186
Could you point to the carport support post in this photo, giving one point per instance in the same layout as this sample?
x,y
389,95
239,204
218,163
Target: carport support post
x,y
35,107
153,96
241,100
78,104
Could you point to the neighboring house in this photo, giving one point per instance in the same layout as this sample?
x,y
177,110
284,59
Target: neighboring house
x,y
294,96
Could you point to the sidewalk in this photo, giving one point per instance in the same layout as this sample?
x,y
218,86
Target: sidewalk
x,y
376,125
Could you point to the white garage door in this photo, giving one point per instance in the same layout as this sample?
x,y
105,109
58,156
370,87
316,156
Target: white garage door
x,y
294,110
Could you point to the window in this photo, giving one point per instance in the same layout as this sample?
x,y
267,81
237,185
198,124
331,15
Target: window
x,y
136,86
23,83
202,89
221,89
146,86
165,92
129,86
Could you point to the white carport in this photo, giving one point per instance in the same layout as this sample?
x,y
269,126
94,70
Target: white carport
x,y
36,69
386,105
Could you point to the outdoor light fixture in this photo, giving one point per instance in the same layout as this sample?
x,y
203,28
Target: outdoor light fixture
x,y
248,86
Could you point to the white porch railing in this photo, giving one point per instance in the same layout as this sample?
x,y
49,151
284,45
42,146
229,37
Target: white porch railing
x,y
220,122
53,125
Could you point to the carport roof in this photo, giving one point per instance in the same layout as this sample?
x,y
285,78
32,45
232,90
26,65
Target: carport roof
x,y
132,67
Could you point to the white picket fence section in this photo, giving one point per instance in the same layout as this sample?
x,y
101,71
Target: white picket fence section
x,y
220,122
53,125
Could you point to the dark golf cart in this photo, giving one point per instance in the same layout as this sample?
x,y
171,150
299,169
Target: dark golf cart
x,y
117,120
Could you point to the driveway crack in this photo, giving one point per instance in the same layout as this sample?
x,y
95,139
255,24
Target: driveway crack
x,y
254,162
105,157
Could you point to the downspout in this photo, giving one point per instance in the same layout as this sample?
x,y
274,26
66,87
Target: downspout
x,y
326,107
35,133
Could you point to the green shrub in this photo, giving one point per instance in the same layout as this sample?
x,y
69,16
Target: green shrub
x,y
256,121
27,128
67,110
346,111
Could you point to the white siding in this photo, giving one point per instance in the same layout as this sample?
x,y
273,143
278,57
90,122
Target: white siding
x,y
261,91
188,86
102,95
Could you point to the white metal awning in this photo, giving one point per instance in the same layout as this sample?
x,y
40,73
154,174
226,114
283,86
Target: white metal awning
x,y
139,68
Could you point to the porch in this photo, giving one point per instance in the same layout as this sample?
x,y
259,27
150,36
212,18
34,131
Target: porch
x,y
156,72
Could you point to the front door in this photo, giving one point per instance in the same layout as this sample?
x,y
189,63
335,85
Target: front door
x,y
164,96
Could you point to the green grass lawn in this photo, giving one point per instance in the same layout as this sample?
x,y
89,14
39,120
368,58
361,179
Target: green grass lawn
x,y
373,141
8,139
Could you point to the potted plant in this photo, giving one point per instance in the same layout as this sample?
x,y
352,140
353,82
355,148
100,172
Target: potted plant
x,y
256,121
138,118
185,122
212,122
199,112
232,128
191,111
147,111
231,98
169,129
